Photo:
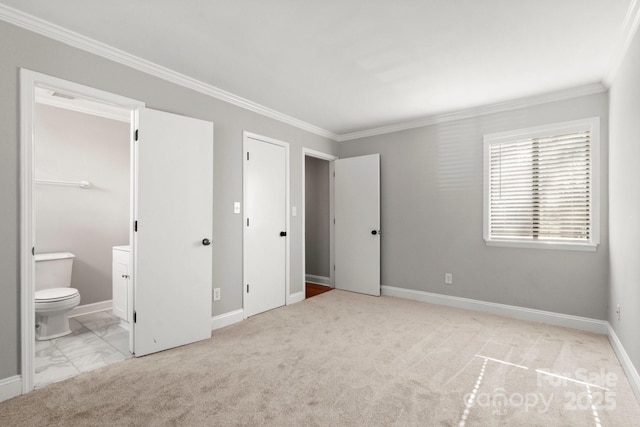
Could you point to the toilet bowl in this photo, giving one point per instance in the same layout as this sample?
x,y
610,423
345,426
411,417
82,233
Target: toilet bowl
x,y
54,297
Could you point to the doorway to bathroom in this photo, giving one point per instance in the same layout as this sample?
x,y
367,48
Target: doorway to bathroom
x,y
168,179
81,195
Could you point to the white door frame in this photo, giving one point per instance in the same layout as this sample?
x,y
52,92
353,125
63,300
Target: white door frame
x,y
29,80
307,152
245,136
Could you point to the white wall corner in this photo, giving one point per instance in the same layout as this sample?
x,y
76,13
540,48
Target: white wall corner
x,y
625,360
294,298
318,280
10,387
627,33
522,313
226,319
483,110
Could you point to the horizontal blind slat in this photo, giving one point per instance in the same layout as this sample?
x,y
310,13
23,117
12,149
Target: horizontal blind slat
x,y
540,188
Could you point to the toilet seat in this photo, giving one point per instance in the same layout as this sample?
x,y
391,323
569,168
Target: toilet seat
x,y
55,294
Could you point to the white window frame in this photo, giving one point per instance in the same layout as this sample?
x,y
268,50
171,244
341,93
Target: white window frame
x,y
593,125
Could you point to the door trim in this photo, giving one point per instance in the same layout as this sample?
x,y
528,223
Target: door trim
x,y
307,152
29,80
245,136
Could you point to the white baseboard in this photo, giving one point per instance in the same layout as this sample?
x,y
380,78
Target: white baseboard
x,y
227,319
91,308
318,280
125,325
10,387
625,361
566,320
294,298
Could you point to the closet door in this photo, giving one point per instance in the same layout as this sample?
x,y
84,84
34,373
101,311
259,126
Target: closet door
x,y
265,225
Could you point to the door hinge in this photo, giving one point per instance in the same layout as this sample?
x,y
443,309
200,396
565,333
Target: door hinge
x,y
135,225
247,155
247,222
334,221
247,288
33,250
134,317
334,267
136,135
334,174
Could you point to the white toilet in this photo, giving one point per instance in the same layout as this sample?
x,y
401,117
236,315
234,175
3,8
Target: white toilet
x,y
54,294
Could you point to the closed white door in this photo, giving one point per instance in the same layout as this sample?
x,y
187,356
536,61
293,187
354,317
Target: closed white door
x,y
265,225
172,248
357,227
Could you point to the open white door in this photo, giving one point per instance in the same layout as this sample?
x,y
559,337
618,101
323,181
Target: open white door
x,y
357,228
265,228
174,214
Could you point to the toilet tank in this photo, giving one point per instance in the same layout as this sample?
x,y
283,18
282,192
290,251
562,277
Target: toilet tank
x,y
53,270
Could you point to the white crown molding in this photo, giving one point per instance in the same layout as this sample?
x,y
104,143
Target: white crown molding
x,y
48,29
560,95
87,44
627,33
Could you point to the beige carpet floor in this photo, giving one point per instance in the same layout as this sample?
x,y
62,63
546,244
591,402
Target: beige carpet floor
x,y
348,359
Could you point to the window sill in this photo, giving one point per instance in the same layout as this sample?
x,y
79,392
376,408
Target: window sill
x,y
584,247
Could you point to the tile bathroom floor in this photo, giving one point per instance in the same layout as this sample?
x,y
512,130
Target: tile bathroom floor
x,y
96,340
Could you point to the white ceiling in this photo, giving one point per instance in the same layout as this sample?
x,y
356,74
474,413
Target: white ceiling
x,y
351,65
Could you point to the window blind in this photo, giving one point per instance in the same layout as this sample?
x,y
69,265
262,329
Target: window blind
x,y
540,188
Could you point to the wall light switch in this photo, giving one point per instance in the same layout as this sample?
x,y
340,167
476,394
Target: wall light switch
x,y
236,207
294,211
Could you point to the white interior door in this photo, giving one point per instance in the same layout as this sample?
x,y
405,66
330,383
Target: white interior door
x,y
174,213
357,228
265,192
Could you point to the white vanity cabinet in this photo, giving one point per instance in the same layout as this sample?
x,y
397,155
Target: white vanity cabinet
x,y
121,282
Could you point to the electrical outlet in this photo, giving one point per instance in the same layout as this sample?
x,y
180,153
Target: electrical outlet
x,y
216,294
236,207
618,311
448,278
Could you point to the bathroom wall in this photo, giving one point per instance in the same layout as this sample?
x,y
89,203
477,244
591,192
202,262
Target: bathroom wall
x,y
317,238
72,146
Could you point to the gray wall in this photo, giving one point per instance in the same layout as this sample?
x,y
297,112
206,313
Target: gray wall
x,y
624,196
317,216
72,146
432,217
21,48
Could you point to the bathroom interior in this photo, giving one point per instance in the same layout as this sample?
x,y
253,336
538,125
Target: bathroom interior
x,y
82,213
